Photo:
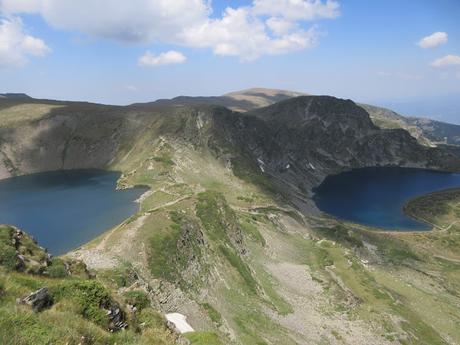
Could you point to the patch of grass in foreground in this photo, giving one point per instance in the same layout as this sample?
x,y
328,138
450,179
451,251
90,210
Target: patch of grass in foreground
x,y
72,316
88,295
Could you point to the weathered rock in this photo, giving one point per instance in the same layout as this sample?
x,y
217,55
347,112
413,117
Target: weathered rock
x,y
39,299
117,319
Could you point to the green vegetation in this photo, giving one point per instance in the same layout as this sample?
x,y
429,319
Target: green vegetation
x,y
213,211
221,223
165,159
213,314
163,245
8,257
431,206
396,251
251,173
22,113
241,267
137,298
79,305
78,312
122,276
89,297
252,231
341,234
173,246
203,338
57,269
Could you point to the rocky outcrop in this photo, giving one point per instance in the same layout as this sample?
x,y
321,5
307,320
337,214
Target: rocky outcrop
x,y
117,320
38,300
21,252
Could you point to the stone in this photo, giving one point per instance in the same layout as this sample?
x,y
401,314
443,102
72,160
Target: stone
x,y
39,299
117,319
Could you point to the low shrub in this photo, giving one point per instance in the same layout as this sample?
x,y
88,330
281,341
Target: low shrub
x,y
137,298
57,269
90,297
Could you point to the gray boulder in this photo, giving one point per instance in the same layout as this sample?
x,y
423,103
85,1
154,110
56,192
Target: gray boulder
x,y
39,299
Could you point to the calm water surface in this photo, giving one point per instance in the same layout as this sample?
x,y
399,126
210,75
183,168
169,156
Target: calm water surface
x,y
65,209
375,196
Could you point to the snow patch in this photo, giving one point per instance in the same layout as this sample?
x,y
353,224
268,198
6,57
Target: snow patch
x,y
180,322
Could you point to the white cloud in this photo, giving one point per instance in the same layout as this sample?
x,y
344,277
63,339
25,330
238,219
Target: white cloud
x,y
240,33
266,27
131,21
167,58
16,45
297,9
279,26
448,60
26,6
433,40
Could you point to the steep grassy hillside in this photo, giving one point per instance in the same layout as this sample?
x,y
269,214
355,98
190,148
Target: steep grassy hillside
x,y
72,306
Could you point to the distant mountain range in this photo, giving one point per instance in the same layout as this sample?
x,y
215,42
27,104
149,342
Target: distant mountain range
x,y
428,132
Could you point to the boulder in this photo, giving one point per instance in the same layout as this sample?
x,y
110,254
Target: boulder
x,y
39,299
117,319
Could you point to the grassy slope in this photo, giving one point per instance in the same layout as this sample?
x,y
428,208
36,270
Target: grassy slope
x,y
366,285
77,314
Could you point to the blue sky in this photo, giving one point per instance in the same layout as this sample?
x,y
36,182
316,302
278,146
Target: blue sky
x,y
364,50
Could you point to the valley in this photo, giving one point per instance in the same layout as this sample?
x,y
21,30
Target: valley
x,y
227,233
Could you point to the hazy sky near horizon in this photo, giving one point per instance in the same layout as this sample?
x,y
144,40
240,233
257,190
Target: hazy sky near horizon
x,y
402,54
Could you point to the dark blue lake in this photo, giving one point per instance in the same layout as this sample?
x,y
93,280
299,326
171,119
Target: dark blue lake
x,y
65,209
376,196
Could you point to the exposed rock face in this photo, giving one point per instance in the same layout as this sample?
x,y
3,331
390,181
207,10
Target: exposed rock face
x,y
39,299
300,141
